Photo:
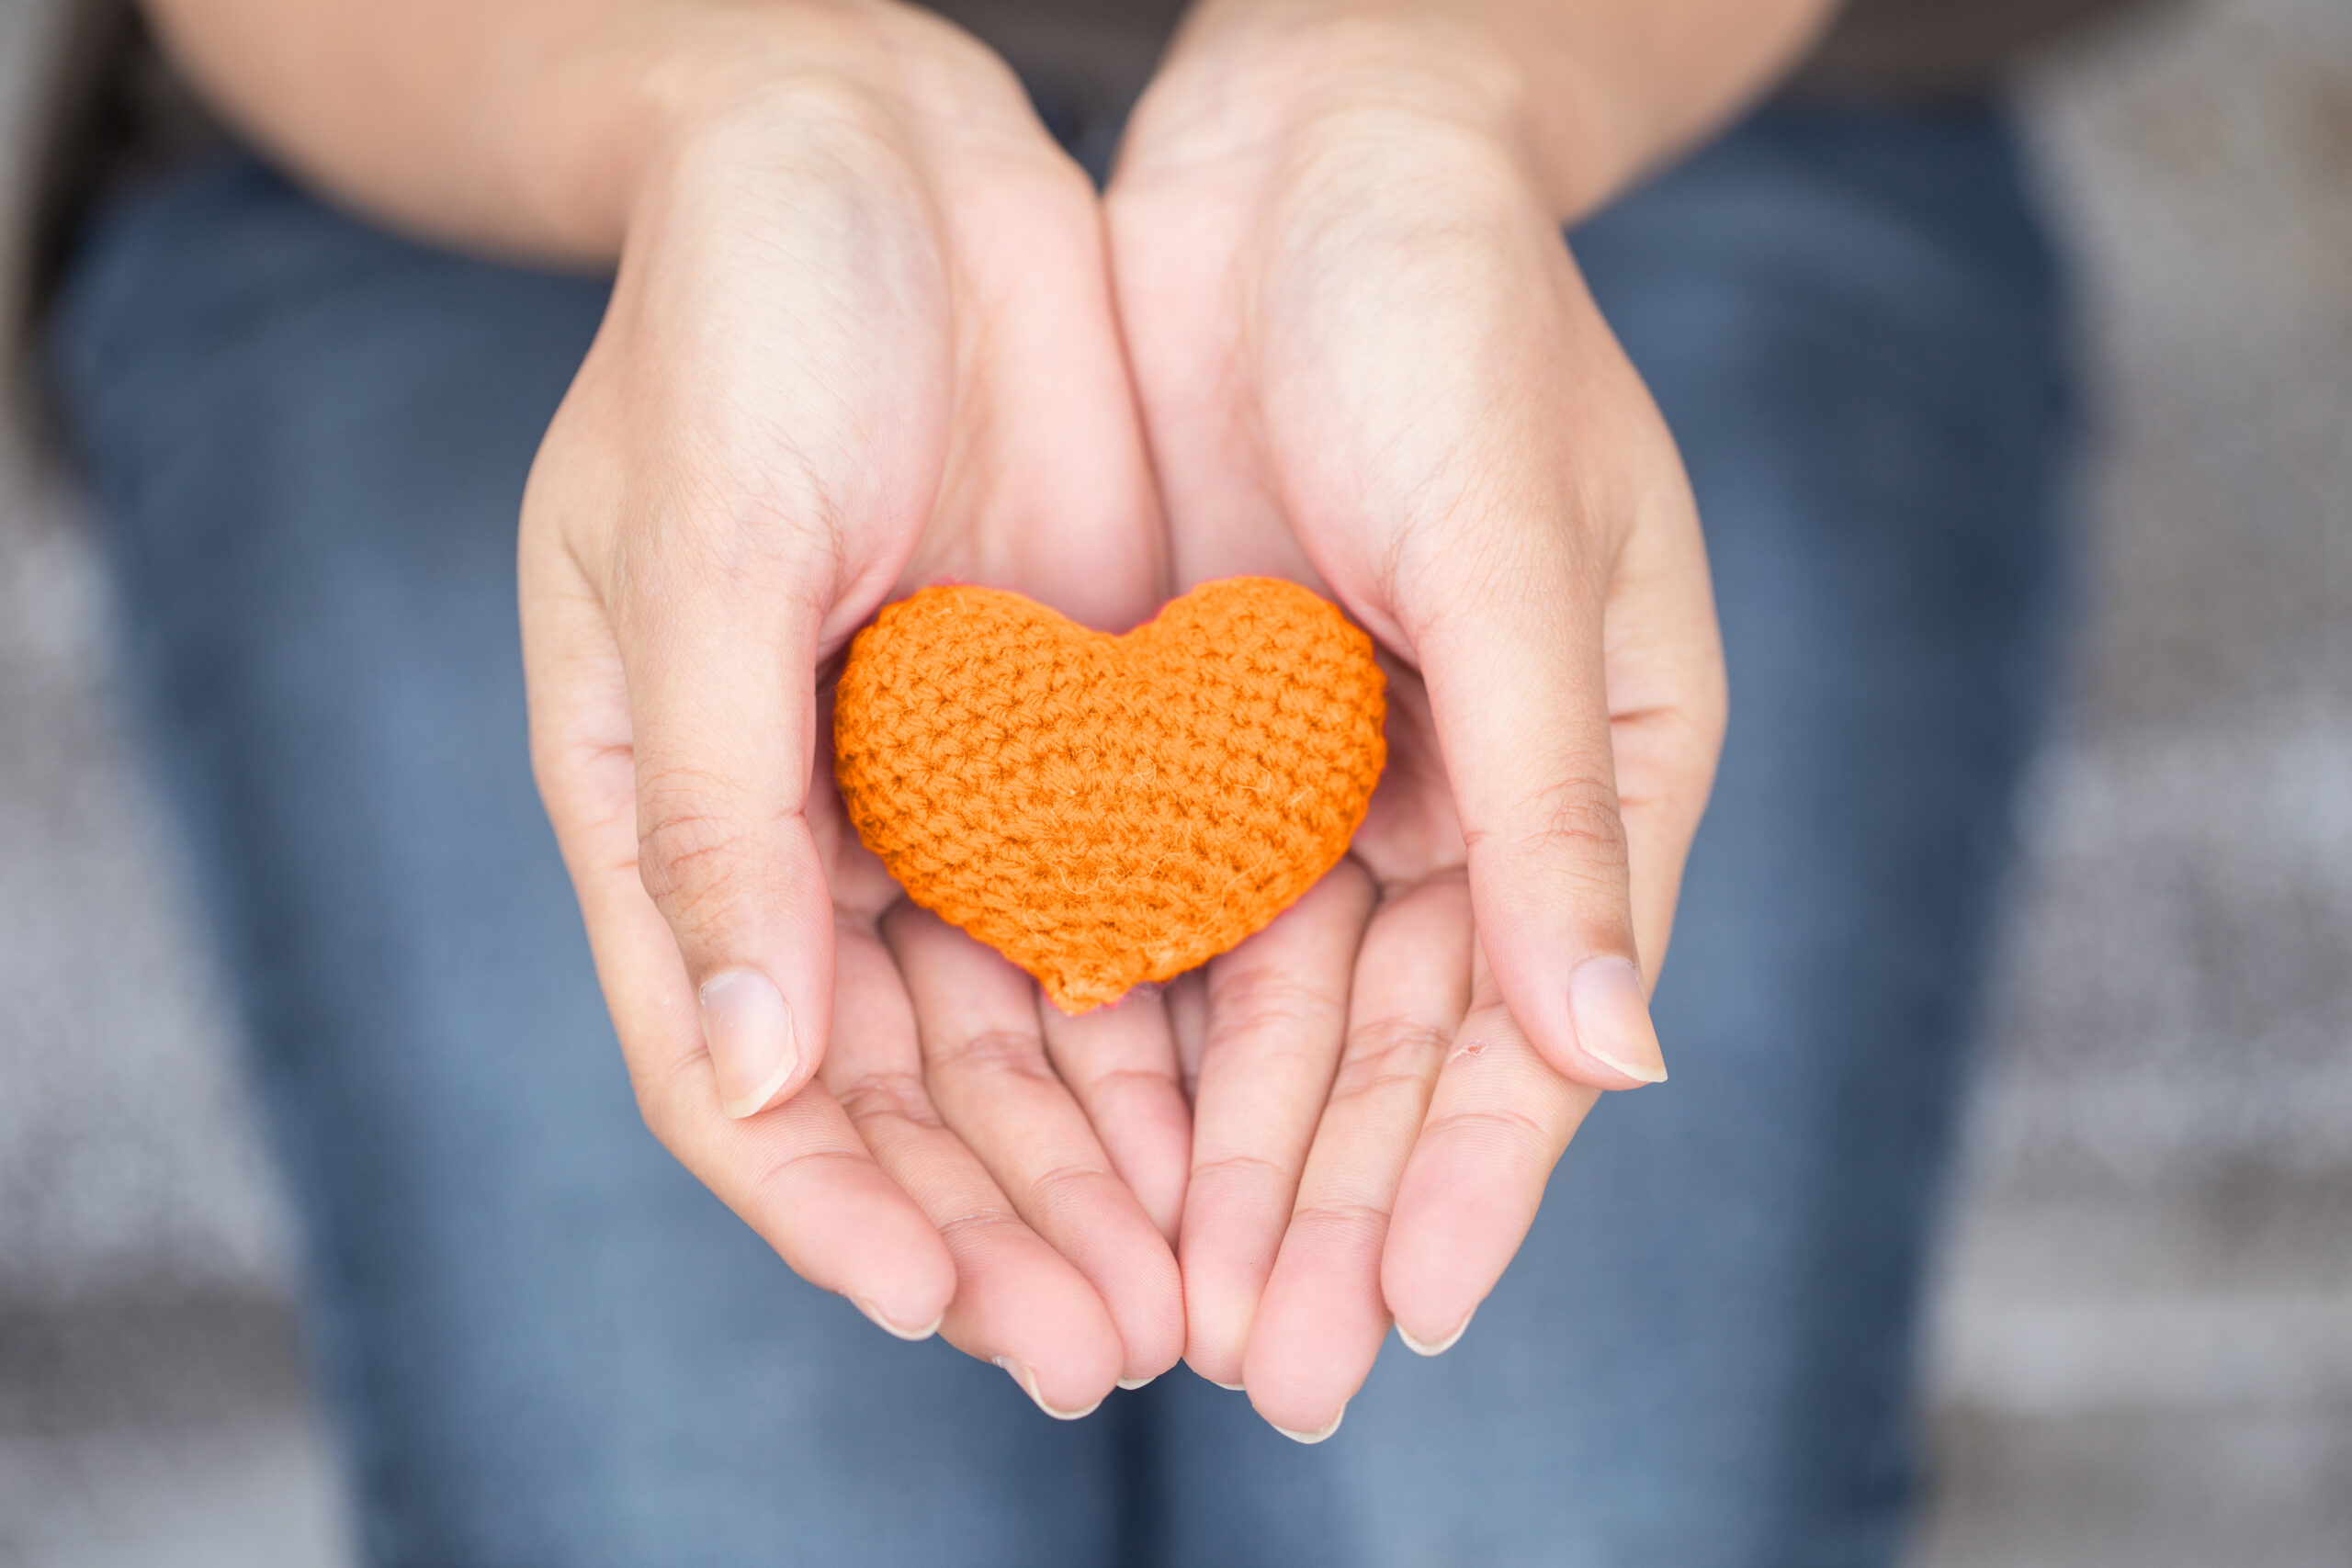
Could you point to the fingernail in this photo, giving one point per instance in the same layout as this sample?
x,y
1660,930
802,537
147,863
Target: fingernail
x,y
1138,1382
1424,1347
1230,1387
1020,1374
874,1315
1612,1019
1314,1436
748,1030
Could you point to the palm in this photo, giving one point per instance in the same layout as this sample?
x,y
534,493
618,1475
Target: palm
x,y
751,461
1373,368
944,1056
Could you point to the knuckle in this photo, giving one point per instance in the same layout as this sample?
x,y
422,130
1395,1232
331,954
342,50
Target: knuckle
x,y
1499,1128
1127,1082
1389,1053
758,552
1267,1006
1244,1167
980,1222
685,854
885,1094
1367,1221
1579,814
1574,819
773,1187
1690,733
991,1050
1065,1187
1669,757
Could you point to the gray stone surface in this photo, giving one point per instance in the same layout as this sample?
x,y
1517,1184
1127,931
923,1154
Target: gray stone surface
x,y
165,1428
2144,1351
2142,1347
125,1150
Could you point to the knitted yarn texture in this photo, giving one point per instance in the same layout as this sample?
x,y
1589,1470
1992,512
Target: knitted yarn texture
x,y
1108,810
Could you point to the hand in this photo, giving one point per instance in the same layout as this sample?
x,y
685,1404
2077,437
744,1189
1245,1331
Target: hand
x,y
860,338
1366,360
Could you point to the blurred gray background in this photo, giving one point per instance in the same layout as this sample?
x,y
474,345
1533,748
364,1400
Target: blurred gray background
x,y
2143,1344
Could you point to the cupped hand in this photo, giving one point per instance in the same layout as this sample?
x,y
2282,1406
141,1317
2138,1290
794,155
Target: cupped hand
x,y
860,338
1367,361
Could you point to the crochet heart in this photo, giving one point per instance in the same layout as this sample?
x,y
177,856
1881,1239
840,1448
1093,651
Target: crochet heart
x,y
1108,810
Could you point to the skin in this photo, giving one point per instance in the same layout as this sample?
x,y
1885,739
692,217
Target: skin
x,y
870,328
1373,367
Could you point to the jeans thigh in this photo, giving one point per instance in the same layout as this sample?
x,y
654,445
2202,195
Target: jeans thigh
x,y
1702,1358
544,1342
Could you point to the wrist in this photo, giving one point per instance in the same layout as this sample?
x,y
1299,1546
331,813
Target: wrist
x,y
1247,80
616,121
1587,96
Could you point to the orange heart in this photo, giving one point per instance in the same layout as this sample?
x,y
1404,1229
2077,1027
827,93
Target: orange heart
x,y
1107,810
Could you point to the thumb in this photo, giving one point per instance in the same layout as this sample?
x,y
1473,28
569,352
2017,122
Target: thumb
x,y
720,668
1516,676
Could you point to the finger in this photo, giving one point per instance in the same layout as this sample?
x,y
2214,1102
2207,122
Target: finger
x,y
1320,1324
1018,1301
1277,1010
799,1176
984,1064
1517,691
1120,1063
1498,1121
1668,704
1060,500
721,654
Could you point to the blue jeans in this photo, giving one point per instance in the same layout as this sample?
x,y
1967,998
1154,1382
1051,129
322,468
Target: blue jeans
x,y
544,1343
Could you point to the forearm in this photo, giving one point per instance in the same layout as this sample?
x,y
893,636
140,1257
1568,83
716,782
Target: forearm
x,y
524,126
1594,91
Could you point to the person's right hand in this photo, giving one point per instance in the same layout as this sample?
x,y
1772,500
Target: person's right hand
x,y
861,338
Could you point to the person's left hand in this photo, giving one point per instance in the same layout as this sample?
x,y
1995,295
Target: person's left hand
x,y
1367,362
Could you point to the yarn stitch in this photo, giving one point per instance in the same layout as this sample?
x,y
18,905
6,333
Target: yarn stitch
x,y
1109,810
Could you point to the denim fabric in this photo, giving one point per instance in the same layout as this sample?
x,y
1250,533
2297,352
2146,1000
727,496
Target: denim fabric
x,y
545,1343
